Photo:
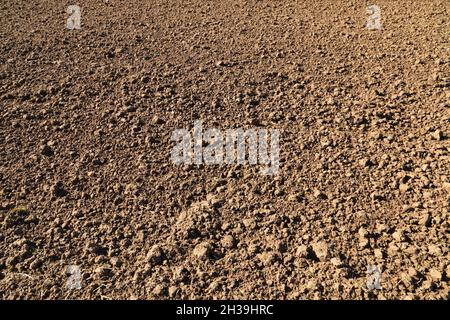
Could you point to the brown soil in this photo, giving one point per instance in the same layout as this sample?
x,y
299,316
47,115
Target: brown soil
x,y
86,179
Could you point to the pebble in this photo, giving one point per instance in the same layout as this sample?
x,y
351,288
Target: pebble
x,y
425,220
378,253
249,223
363,233
413,272
403,187
392,249
228,242
303,252
363,242
159,290
337,262
181,274
399,236
157,120
103,272
320,250
435,275
46,150
203,250
156,255
437,135
173,290
434,250
319,195
366,162
446,186
267,258
296,197
406,279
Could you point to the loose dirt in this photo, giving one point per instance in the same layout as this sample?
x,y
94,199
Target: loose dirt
x,y
86,180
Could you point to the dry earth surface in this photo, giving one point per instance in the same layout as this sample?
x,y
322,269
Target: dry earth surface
x,y
86,118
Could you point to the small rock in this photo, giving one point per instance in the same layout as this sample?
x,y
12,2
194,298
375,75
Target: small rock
x,y
435,275
249,223
288,258
46,150
215,201
130,189
36,264
428,285
228,242
203,250
115,262
312,285
412,250
181,274
173,290
12,261
407,280
159,290
413,272
303,252
96,249
297,197
446,186
319,195
214,286
155,256
378,253
363,233
157,120
320,250
382,228
267,258
363,237
434,250
363,242
403,187
437,135
365,162
337,262
392,250
377,196
425,220
399,236
103,272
